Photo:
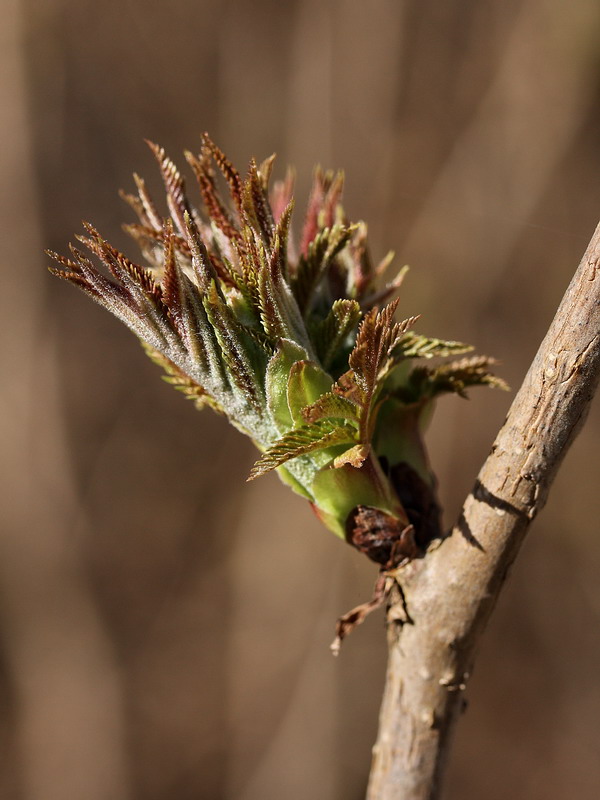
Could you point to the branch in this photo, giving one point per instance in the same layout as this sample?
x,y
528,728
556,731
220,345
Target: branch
x,y
439,614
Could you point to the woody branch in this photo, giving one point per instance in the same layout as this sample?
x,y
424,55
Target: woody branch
x,y
448,596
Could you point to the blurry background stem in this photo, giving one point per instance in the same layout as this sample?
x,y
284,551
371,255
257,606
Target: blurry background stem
x,y
447,597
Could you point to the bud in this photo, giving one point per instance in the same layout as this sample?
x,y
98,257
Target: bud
x,y
294,341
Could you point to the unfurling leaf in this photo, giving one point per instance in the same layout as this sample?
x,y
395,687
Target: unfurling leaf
x,y
306,382
332,333
301,441
370,360
331,405
313,267
456,377
276,382
181,382
414,345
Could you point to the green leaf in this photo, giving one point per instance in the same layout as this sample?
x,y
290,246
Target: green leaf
x,y
307,439
331,405
330,335
306,382
276,382
398,436
286,477
414,345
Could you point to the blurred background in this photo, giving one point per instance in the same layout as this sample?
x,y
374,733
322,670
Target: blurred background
x,y
164,626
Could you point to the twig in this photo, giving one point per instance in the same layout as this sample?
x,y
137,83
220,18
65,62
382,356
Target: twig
x,y
451,592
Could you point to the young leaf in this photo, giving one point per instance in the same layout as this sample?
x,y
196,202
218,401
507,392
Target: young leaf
x,y
276,382
174,185
331,334
331,405
456,377
313,266
280,314
256,204
307,439
150,216
234,347
414,345
306,382
215,208
182,382
322,205
370,360
240,322
228,171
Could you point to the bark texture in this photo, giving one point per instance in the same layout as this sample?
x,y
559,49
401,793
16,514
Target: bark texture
x,y
436,619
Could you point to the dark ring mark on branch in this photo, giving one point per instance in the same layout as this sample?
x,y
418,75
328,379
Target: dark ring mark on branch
x,y
485,496
465,530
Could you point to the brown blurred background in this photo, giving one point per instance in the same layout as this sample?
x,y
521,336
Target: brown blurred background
x,y
164,627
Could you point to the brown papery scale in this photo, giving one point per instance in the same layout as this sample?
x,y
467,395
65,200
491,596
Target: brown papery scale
x,y
386,539
380,536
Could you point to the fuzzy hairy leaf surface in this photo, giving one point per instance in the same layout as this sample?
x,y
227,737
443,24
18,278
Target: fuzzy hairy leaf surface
x,y
239,351
182,382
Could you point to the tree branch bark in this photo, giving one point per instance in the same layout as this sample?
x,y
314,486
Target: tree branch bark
x,y
436,619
